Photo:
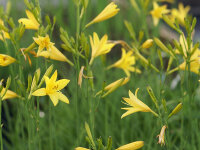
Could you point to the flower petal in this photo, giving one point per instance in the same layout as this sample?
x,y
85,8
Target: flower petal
x,y
54,98
40,92
62,83
63,98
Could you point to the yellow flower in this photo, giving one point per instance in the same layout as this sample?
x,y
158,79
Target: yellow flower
x,y
3,34
180,13
161,136
194,63
99,47
48,50
6,60
132,146
81,148
126,63
135,105
9,94
30,22
53,88
158,11
108,12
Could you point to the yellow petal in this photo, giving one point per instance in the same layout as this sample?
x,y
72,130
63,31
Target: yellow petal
x,y
54,98
130,111
32,18
63,98
40,92
54,76
81,148
9,94
62,83
132,146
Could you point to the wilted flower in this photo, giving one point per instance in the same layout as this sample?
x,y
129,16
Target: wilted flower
x,y
161,136
6,60
3,34
126,63
108,12
48,50
99,47
53,88
9,94
135,105
180,13
132,146
158,11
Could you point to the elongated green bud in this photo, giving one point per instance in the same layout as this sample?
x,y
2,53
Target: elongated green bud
x,y
164,105
47,73
176,110
109,143
29,82
163,47
87,128
160,57
153,98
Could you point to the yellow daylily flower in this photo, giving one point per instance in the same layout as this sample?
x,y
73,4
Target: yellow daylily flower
x,y
132,146
161,136
53,88
9,94
99,47
81,148
3,34
180,13
135,105
30,22
108,12
194,63
126,63
158,11
48,50
6,60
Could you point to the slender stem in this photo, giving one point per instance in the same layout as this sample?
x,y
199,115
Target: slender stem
x,y
1,126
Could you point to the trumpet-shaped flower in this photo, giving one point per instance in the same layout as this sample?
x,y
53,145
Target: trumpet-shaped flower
x,y
53,88
161,136
126,63
158,11
180,13
136,105
108,12
3,34
132,146
48,50
99,47
30,22
6,60
81,148
9,94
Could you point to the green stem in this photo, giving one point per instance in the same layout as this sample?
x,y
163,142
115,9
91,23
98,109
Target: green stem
x,y
1,126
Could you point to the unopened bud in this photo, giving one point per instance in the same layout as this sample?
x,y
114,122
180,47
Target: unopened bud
x,y
147,44
176,110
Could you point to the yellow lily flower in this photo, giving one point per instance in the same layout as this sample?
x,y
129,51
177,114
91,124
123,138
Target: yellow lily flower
x,y
53,88
158,11
194,59
180,13
161,136
135,105
6,60
9,94
48,50
194,63
132,146
126,63
3,34
81,148
30,22
99,47
108,12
